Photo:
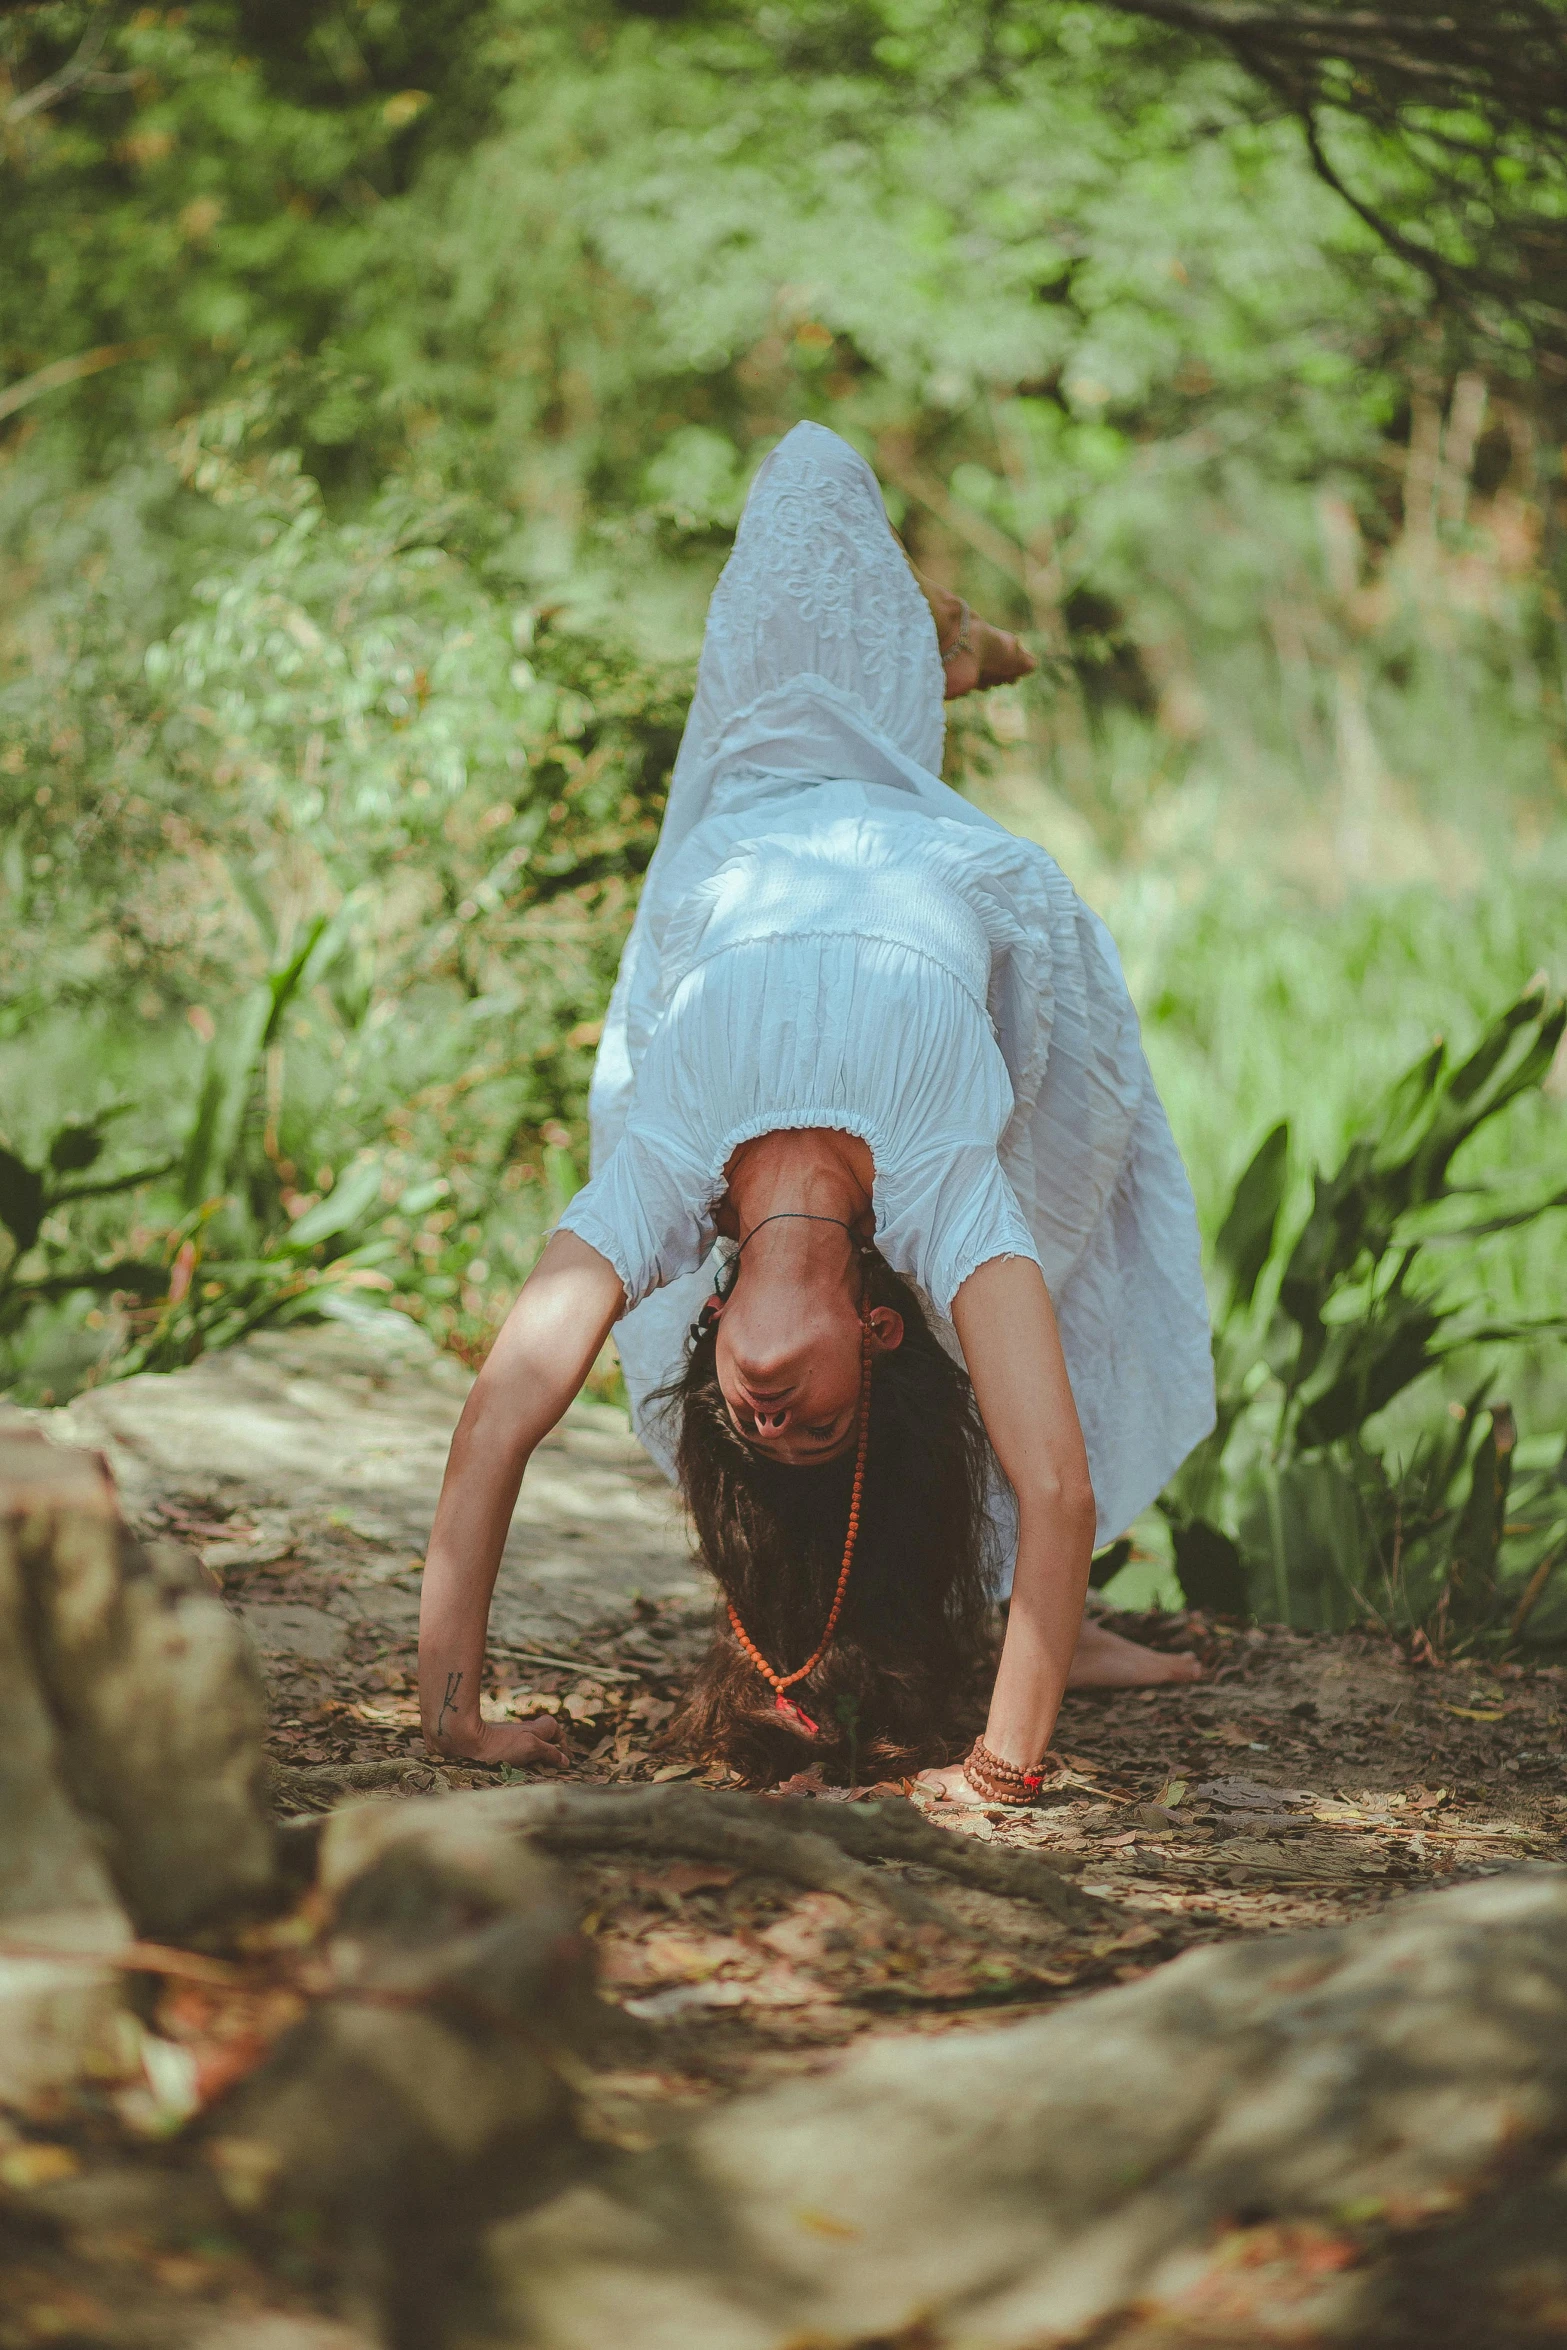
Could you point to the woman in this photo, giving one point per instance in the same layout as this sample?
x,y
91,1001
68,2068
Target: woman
x,y
885,1213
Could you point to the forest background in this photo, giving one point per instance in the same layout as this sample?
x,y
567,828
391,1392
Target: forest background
x,y
379,386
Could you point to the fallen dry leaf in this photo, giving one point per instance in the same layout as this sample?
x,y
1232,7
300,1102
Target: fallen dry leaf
x,y
22,2168
690,1956
815,1924
690,1876
659,2006
781,1985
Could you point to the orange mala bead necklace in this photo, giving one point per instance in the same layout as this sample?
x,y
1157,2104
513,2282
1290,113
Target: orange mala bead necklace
x,y
796,1715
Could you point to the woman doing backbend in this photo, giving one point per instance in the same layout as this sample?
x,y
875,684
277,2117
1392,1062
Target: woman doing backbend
x,y
885,1213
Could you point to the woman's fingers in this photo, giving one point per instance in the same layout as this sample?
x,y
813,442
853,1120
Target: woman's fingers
x,y
530,1745
949,1785
548,1745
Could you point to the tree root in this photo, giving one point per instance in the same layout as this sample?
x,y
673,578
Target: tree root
x,y
690,1823
822,1847
825,1852
895,1831
316,1787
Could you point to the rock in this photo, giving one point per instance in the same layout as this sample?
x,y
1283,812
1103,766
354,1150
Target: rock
x,y
314,1433
153,1691
131,1791
439,2064
279,1627
60,1919
1286,2106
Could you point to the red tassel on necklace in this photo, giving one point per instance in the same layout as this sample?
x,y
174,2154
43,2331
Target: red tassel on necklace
x,y
797,1717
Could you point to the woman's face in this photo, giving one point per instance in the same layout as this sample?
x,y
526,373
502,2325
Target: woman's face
x,y
788,1363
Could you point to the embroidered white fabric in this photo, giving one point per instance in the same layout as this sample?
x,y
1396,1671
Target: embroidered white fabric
x,y
828,936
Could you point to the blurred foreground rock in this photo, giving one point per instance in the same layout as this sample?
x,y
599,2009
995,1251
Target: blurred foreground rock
x,y
131,1788
1262,2143
430,2080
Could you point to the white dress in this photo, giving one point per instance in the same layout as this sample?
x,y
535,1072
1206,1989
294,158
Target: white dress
x,y
829,937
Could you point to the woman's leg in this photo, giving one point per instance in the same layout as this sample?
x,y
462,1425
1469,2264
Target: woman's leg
x,y
1104,1660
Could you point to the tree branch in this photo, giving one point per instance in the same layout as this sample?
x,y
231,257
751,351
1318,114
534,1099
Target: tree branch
x,y
79,72
822,1846
1420,257
1498,65
61,372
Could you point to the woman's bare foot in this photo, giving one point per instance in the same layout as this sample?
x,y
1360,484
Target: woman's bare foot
x,y
1103,1660
992,655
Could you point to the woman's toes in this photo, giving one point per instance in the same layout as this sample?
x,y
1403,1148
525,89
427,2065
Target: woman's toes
x,y
1006,661
992,657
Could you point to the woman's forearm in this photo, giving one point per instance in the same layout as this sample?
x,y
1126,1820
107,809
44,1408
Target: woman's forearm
x,y
1012,1346
1055,1545
483,1475
567,1307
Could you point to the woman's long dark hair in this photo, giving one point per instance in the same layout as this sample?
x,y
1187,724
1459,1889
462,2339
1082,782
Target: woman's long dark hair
x,y
901,1683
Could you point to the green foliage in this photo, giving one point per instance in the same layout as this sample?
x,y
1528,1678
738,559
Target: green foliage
x,y
402,820
1292,1509
379,386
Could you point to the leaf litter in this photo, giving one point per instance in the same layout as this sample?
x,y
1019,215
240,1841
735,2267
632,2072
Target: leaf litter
x,y
1307,1779
1306,1776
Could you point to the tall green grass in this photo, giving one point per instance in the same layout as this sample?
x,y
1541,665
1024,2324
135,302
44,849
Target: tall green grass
x,y
313,902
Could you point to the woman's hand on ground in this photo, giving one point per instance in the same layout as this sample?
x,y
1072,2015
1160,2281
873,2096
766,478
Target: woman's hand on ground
x,y
534,1744
950,1786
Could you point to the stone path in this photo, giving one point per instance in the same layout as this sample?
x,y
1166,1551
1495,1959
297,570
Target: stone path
x,y
325,1448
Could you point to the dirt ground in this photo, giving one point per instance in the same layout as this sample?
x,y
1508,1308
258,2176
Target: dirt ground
x,y
1306,1780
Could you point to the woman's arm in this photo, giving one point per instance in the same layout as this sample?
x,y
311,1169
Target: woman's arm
x,y
567,1308
1007,1328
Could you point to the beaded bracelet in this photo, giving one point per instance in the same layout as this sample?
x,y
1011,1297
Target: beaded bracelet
x,y
998,1781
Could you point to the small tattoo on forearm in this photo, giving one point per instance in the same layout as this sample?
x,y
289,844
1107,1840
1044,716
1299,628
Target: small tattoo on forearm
x,y
453,1684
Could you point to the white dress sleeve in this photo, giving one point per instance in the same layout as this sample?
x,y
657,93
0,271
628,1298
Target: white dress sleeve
x,y
947,1212
645,1212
